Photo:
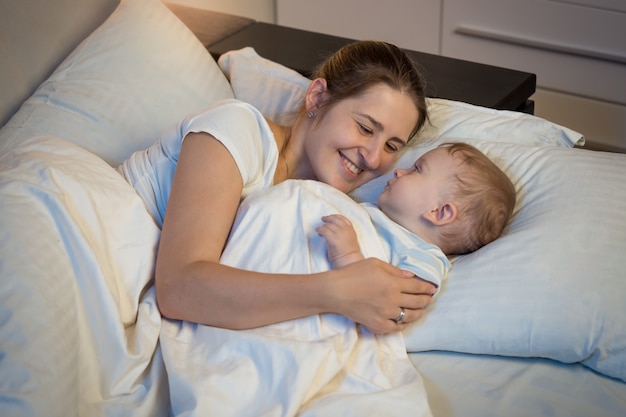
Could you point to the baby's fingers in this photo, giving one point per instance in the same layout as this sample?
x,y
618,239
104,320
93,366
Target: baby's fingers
x,y
337,219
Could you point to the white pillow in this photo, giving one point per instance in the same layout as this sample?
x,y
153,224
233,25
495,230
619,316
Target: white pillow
x,y
553,285
270,87
141,71
275,89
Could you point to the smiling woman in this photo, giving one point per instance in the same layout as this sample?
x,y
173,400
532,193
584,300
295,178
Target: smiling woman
x,y
362,107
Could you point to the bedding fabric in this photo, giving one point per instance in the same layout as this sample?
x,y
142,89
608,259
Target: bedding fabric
x,y
316,366
468,385
79,325
141,71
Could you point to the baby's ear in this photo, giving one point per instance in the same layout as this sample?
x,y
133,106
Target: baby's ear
x,y
442,215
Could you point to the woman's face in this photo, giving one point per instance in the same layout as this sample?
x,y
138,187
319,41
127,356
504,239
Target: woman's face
x,y
359,138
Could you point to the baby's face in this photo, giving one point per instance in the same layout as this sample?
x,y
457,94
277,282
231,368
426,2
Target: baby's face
x,y
419,189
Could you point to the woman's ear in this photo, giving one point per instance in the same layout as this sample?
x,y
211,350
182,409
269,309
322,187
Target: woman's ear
x,y
444,214
315,94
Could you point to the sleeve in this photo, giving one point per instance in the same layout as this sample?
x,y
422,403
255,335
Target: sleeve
x,y
424,260
245,133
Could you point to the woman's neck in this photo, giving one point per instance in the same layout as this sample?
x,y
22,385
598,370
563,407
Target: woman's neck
x,y
281,136
292,161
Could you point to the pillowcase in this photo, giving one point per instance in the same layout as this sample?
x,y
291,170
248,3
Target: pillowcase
x,y
553,285
276,90
141,71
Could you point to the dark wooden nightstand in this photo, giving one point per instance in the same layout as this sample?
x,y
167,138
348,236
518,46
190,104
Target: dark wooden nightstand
x,y
449,78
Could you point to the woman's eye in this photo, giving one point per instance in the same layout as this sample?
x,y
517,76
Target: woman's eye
x,y
366,130
392,147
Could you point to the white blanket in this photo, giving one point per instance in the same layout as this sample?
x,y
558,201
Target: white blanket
x,y
324,365
79,324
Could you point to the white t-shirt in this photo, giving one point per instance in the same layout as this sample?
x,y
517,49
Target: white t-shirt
x,y
240,127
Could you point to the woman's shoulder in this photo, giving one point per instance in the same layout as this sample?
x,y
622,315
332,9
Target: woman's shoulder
x,y
226,106
229,115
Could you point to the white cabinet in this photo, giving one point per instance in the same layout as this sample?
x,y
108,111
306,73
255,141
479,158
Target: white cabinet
x,y
410,24
572,48
577,48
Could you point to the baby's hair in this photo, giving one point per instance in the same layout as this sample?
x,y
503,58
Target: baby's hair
x,y
485,198
360,65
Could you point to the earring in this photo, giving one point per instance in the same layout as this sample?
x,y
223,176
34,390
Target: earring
x,y
310,114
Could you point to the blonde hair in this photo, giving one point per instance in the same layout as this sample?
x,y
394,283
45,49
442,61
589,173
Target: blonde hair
x,y
485,199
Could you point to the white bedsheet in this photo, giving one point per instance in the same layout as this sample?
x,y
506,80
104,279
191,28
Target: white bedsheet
x,y
324,365
469,385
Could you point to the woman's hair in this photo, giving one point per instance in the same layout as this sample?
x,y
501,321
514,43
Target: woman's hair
x,y
485,199
361,65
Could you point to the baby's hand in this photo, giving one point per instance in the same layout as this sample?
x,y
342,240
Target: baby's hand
x,y
341,238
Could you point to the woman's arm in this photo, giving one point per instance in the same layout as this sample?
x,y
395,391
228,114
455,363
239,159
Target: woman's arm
x,y
191,284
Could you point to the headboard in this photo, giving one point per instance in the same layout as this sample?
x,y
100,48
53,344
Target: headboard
x,y
35,36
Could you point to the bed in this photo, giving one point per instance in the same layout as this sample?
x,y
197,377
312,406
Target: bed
x,y
530,325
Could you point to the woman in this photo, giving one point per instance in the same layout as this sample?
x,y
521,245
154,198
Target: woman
x,y
361,109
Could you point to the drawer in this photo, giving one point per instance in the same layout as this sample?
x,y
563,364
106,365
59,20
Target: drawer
x,y
410,24
570,45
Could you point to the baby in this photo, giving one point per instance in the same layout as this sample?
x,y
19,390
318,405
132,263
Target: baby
x,y
454,200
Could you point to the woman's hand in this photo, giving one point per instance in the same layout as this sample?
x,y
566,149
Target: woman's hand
x,y
372,292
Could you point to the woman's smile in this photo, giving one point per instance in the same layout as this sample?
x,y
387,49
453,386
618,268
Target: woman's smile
x,y
350,166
